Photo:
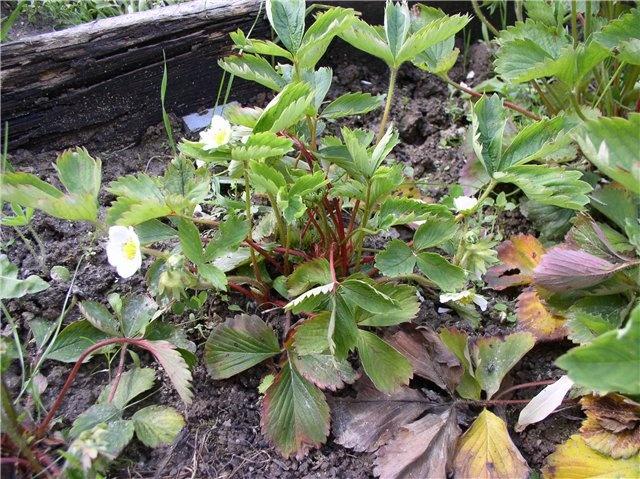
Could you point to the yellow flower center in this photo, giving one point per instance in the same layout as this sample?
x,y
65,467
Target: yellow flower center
x,y
129,249
220,137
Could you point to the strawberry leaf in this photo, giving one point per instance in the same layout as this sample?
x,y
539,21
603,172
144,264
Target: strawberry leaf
x,y
173,364
385,366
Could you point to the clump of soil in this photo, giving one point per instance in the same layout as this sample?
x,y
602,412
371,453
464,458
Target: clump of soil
x,y
222,437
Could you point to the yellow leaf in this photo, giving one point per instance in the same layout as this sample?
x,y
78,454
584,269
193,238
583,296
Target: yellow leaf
x,y
535,317
486,451
575,460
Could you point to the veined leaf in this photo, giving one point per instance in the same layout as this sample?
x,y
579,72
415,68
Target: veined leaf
x,y
12,287
434,232
385,366
458,344
311,297
533,142
619,30
174,365
231,233
132,383
536,318
486,450
397,259
307,275
100,317
190,241
365,295
157,425
321,32
408,307
447,276
253,68
295,414
368,39
266,179
287,108
261,47
260,146
352,104
609,362
592,316
488,122
73,340
324,370
519,255
96,414
238,344
287,19
397,22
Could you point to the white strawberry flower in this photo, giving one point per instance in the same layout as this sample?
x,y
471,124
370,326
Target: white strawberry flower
x,y
465,297
218,134
464,203
123,250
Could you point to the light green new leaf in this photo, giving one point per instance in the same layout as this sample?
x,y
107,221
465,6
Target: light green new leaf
x,y
488,122
12,287
397,259
132,383
286,109
447,276
352,104
238,344
550,186
385,366
611,362
494,357
253,68
365,295
266,179
434,232
261,47
73,340
287,19
397,21
295,413
260,146
307,275
612,145
157,425
441,57
320,33
79,172
369,39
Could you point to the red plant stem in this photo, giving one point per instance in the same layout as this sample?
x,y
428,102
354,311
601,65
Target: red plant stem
x,y
246,292
42,428
16,461
368,259
317,227
293,252
116,380
264,253
343,244
48,463
532,384
352,220
305,229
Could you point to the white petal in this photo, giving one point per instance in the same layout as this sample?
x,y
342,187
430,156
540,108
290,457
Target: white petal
x,y
219,122
128,268
114,253
119,233
464,203
481,302
544,403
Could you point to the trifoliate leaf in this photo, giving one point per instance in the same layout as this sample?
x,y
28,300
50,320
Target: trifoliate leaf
x,y
295,413
369,39
238,344
157,425
385,366
486,450
287,19
286,109
396,259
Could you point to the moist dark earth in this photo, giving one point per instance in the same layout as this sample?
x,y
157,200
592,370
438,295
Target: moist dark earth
x,y
222,437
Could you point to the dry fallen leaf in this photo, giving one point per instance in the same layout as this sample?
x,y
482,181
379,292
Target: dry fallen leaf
x,y
486,451
612,426
428,355
421,449
519,255
534,317
576,460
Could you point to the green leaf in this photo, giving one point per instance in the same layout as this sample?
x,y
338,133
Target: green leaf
x,y
612,145
408,307
286,109
73,340
352,104
287,19
260,146
253,68
307,275
266,179
309,300
311,335
494,358
319,35
295,413
12,287
174,365
532,142
396,25
609,362
386,367
592,316
368,39
400,211
78,172
137,312
132,383
488,122
238,344
154,231
382,149
619,30
190,241
231,233
553,222
616,203
157,425
434,232
397,259
307,184
365,295
458,344
549,186
213,275
324,370
447,276
262,47
96,414
100,317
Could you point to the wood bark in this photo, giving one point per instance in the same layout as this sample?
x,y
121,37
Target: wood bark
x,y
99,83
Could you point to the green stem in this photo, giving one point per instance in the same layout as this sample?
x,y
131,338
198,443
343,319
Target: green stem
x,y
587,19
576,107
16,341
552,110
608,86
247,207
483,19
574,22
393,73
363,226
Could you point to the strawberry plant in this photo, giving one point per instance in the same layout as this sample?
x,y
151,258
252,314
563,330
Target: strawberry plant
x,y
285,206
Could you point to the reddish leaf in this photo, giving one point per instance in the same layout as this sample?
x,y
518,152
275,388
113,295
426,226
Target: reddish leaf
x,y
421,449
535,317
173,364
325,370
428,355
519,256
369,420
563,269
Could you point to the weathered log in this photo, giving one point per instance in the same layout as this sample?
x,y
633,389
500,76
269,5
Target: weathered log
x,y
99,83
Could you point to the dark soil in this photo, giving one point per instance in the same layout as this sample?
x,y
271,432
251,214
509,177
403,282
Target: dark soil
x,y
222,437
